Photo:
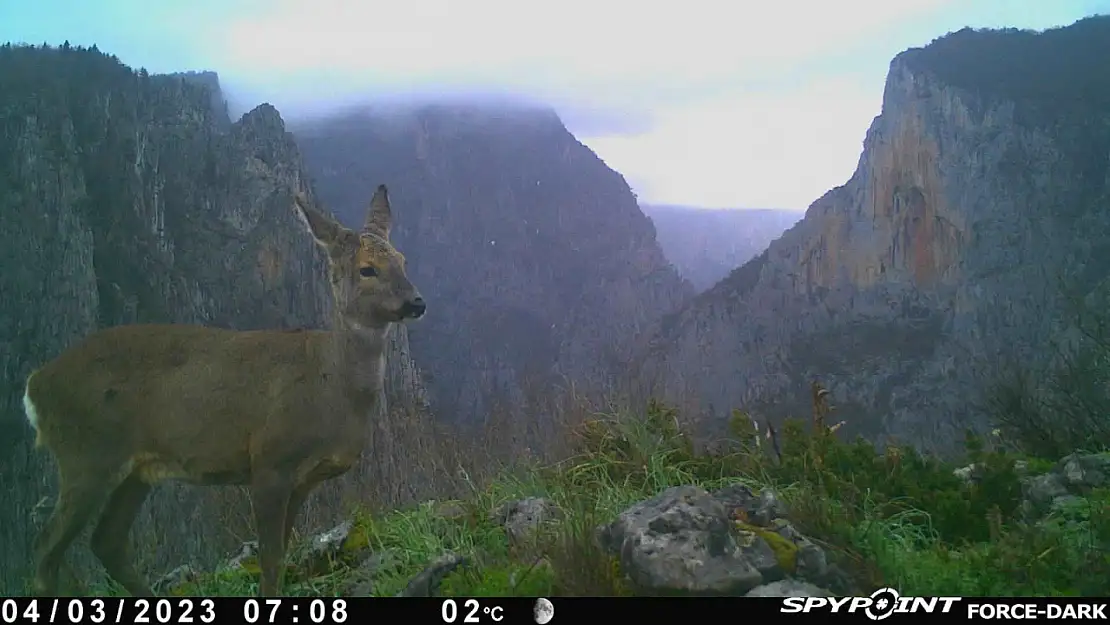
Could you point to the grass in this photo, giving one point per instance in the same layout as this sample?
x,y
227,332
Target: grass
x,y
888,517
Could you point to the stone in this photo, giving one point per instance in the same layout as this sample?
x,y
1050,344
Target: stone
x,y
1083,472
323,550
744,503
175,579
681,542
246,558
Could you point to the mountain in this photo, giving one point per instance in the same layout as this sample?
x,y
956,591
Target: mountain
x,y
981,198
125,198
706,244
537,262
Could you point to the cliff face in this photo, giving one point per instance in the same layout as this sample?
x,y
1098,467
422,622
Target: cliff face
x,y
705,245
982,191
534,255
123,199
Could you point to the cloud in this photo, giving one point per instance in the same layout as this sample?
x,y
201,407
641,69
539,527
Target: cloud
x,y
703,102
586,120
772,149
611,69
605,52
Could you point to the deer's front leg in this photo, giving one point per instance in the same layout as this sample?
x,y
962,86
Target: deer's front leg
x,y
270,495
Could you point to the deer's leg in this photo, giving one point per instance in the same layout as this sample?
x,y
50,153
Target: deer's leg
x,y
270,495
76,504
110,538
293,510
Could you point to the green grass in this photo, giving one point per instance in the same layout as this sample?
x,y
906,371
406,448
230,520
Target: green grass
x,y
889,518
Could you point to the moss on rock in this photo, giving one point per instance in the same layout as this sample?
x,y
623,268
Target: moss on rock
x,y
786,552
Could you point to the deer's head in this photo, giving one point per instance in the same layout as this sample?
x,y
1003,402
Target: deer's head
x,y
368,280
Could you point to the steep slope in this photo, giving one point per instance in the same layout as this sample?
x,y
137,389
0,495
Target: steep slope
x,y
122,201
706,244
981,191
536,254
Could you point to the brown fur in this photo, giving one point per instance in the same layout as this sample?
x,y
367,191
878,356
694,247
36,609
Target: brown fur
x,y
280,411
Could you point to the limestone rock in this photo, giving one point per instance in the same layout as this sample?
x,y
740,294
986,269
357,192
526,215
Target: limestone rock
x,y
688,541
680,541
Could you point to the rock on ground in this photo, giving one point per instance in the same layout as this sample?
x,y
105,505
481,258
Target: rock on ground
x,y
1073,476
686,540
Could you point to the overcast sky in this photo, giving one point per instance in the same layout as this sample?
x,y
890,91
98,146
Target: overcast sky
x,y
728,103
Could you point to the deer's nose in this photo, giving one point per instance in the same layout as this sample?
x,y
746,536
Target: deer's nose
x,y
415,308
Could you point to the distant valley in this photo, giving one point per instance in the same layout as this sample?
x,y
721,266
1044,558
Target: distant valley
x,y
705,244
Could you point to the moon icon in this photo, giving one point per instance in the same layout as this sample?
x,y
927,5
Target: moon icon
x,y
543,611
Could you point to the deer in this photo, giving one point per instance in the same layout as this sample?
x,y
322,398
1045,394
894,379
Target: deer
x,y
277,411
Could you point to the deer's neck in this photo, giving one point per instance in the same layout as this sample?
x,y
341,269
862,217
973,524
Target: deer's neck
x,y
359,356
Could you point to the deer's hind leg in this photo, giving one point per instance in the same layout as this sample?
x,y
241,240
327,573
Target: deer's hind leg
x,y
110,540
80,494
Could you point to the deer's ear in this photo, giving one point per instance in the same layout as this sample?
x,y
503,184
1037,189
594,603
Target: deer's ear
x,y
328,233
379,217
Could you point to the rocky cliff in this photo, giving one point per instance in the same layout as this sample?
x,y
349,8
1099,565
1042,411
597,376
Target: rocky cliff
x,y
540,263
130,198
705,245
981,193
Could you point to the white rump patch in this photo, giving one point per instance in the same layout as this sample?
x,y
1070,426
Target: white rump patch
x,y
29,407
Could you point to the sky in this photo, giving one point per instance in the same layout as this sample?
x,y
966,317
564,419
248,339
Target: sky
x,y
723,103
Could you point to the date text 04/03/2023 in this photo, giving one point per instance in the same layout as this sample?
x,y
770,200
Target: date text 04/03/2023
x,y
184,610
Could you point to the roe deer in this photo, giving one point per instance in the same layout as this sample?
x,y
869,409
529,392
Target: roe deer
x,y
279,411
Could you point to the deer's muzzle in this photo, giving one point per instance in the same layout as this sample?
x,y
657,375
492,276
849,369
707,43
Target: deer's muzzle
x,y
414,308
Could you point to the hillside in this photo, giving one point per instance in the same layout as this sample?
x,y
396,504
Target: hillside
x,y
545,267
706,244
976,216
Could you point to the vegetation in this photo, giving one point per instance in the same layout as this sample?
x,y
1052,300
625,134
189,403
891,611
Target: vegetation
x,y
1066,408
1025,65
890,517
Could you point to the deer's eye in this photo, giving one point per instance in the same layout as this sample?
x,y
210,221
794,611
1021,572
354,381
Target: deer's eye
x,y
367,272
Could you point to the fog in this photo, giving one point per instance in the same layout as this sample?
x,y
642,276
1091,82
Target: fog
x,y
707,103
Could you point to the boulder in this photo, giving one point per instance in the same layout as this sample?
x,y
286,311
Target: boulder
x,y
686,540
682,541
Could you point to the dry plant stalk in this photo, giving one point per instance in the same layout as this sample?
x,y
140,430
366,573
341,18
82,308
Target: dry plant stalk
x,y
821,409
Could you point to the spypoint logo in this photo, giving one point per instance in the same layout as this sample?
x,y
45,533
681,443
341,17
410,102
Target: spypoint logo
x,y
881,604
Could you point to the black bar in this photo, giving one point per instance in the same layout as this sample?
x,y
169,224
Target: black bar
x,y
520,611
